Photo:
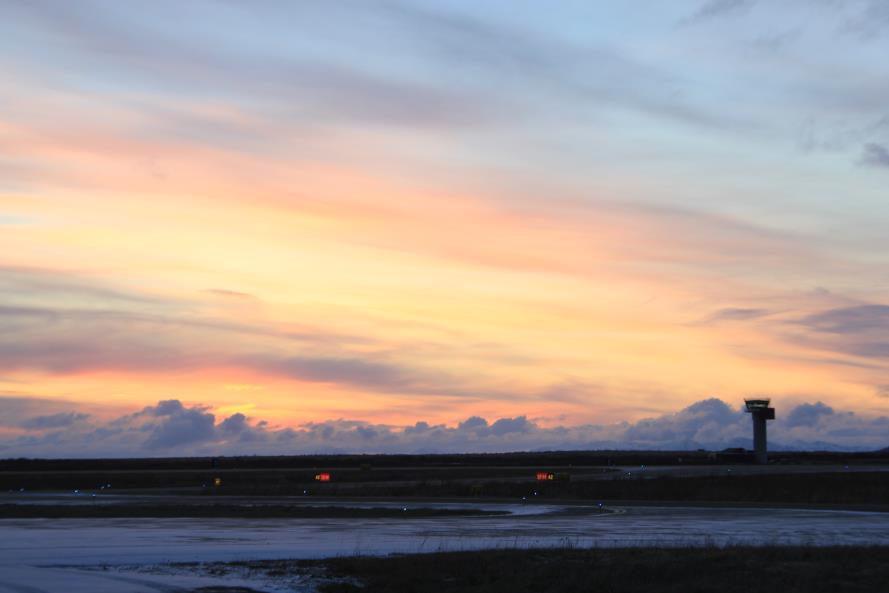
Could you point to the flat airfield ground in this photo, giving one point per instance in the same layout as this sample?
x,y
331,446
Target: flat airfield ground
x,y
859,481
270,526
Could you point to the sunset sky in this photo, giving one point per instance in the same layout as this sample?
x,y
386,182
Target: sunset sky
x,y
571,216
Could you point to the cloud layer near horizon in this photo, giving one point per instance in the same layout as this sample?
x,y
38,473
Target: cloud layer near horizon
x,y
171,428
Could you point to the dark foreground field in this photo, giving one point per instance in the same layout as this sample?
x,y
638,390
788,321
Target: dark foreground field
x,y
851,480
645,570
832,489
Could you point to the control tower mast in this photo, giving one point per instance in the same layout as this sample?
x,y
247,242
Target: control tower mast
x,y
760,411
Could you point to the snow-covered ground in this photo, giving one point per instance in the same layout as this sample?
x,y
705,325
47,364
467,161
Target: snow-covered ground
x,y
49,555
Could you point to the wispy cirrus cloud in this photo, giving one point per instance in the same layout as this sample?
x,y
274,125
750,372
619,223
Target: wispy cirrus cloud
x,y
850,320
736,314
858,331
118,332
61,341
875,155
712,9
327,91
300,89
869,19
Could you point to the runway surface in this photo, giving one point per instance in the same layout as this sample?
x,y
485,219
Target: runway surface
x,y
48,555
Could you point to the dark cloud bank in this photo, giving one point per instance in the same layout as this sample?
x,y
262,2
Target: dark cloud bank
x,y
172,428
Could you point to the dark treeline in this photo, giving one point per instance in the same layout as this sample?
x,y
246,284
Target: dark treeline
x,y
523,459
518,459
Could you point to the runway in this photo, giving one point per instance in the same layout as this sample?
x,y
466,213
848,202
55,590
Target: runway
x,y
48,555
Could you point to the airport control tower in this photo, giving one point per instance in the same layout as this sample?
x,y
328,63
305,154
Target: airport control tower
x,y
760,410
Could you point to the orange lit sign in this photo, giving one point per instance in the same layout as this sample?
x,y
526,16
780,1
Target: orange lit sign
x,y
542,476
325,477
